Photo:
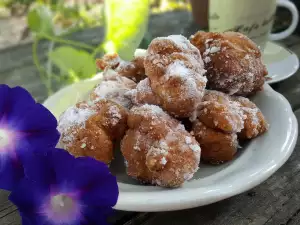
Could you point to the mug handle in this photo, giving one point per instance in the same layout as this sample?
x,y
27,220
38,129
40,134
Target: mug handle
x,y
295,18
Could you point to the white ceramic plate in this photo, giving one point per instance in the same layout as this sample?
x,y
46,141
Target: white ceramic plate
x,y
281,63
253,164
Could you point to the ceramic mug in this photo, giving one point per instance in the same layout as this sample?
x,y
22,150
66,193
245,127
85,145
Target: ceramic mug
x,y
253,18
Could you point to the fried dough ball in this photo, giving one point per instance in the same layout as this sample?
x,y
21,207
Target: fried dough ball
x,y
255,123
217,96
133,70
176,73
113,118
143,94
233,62
225,117
217,111
90,129
216,146
113,87
157,148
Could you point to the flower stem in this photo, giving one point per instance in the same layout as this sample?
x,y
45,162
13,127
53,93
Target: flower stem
x,y
49,66
41,70
68,42
96,50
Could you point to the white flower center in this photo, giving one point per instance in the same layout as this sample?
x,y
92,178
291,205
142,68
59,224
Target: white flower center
x,y
4,138
62,203
62,208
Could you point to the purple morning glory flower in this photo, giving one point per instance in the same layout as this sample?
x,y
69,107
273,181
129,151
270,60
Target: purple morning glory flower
x,y
59,189
24,126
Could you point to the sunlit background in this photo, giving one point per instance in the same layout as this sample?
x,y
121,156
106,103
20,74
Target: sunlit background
x,y
56,42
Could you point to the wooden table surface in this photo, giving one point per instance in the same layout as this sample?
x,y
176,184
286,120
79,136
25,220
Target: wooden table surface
x,y
274,202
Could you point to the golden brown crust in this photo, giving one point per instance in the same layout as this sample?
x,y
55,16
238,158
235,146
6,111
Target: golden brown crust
x,y
217,147
158,149
175,70
89,129
233,62
221,120
218,111
92,141
225,117
255,123
112,118
143,94
113,87
133,70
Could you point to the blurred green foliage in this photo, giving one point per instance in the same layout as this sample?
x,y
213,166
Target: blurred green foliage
x,y
39,20
76,64
125,24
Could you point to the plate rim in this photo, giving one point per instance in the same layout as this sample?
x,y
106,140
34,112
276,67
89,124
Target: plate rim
x,y
190,198
131,201
282,78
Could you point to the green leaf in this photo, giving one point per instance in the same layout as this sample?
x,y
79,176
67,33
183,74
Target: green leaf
x,y
39,20
126,24
78,64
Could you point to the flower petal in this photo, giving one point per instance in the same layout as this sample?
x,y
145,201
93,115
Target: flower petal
x,y
42,220
87,176
10,172
34,118
38,141
63,163
98,186
26,117
38,167
103,192
28,219
29,196
37,219
19,101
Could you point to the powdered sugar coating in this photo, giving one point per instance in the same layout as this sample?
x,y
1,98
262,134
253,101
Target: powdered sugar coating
x,y
189,87
175,70
163,161
115,115
91,128
113,87
254,121
224,115
180,42
163,157
148,111
233,62
73,117
188,140
143,94
82,135
134,69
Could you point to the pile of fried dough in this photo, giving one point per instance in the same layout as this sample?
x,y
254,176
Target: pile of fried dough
x,y
175,103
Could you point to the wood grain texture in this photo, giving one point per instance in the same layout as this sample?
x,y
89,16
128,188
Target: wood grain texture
x,y
274,202
8,212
